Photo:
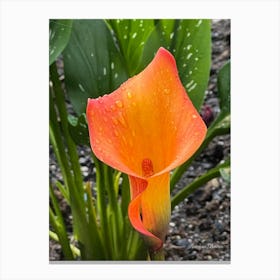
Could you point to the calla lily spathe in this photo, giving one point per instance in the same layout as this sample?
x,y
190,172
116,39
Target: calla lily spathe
x,y
146,128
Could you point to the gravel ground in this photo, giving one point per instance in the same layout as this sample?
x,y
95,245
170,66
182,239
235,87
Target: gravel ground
x,y
200,225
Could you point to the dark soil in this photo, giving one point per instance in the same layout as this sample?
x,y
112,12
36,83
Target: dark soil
x,y
200,225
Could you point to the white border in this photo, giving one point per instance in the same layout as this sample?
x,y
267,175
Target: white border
x,y
24,138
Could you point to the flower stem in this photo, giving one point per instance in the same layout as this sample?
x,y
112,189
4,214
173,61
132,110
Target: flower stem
x,y
157,256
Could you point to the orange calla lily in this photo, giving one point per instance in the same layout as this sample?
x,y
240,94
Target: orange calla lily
x,y
146,128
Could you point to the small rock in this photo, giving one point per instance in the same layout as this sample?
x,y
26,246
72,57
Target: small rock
x,y
82,160
182,242
205,225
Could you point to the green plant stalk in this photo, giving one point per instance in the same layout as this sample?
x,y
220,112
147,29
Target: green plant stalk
x,y
157,256
64,191
57,143
212,133
136,248
93,226
101,207
58,147
59,227
125,189
72,150
76,192
213,173
79,218
75,251
117,222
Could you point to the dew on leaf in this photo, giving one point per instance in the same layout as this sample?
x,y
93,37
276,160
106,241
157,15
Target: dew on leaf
x,y
104,71
81,88
199,23
189,55
193,87
112,65
134,35
189,84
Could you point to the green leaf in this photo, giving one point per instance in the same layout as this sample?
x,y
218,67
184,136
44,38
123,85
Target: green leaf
x,y
225,173
190,43
78,129
93,65
224,88
131,37
223,84
60,31
198,182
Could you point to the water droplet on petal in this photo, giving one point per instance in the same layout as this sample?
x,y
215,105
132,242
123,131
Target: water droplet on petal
x,y
119,103
129,95
114,121
121,119
124,140
194,116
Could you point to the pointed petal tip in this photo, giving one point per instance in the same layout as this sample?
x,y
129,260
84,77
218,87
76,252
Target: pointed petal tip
x,y
164,53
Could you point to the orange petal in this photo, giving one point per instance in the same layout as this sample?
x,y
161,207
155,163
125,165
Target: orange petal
x,y
149,210
149,116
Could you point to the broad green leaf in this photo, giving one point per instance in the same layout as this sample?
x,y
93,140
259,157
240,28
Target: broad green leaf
x,y
192,50
190,43
224,88
131,36
93,65
223,84
59,35
78,129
